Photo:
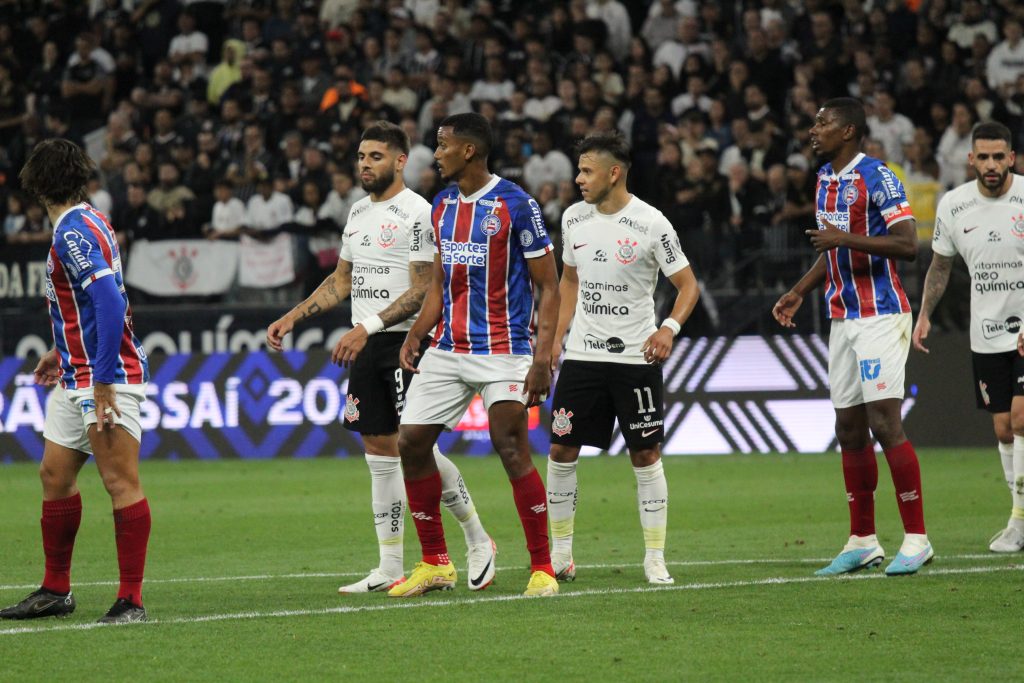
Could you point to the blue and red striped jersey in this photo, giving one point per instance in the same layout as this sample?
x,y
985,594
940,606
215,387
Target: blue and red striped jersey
x,y
865,198
85,250
484,241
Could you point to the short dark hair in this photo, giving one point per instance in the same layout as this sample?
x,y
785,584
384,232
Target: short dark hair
x,y
57,172
474,127
390,134
612,144
992,130
850,112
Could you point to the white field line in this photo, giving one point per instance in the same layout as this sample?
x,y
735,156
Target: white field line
x,y
448,602
342,575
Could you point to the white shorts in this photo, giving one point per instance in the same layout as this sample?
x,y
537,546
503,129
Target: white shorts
x,y
867,358
70,412
447,383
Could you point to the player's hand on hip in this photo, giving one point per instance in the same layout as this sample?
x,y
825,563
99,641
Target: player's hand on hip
x,y
47,370
1020,343
276,333
829,238
538,383
921,330
408,354
786,307
106,405
349,346
658,346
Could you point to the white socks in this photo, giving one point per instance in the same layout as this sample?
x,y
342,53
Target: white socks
x,y
652,496
562,493
387,491
1006,457
456,499
1017,487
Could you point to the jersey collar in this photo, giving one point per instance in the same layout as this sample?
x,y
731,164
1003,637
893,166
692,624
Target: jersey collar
x,y
61,217
482,191
850,166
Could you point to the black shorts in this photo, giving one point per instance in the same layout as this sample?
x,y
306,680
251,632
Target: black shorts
x,y
590,396
998,377
377,386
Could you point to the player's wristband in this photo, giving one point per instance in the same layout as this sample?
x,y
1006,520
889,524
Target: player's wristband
x,y
671,324
372,325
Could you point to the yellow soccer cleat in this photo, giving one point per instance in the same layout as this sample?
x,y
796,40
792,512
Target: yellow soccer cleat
x,y
541,584
425,578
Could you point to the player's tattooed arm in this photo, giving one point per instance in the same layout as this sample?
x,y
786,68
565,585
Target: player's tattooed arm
x,y
331,292
934,286
935,282
405,306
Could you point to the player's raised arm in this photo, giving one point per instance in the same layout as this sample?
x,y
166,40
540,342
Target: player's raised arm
x,y
429,316
568,294
788,304
335,288
544,275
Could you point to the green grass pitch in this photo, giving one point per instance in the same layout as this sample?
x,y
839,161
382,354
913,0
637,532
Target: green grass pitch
x,y
246,557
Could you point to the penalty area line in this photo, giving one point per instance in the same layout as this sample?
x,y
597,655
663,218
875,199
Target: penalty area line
x,y
342,575
424,603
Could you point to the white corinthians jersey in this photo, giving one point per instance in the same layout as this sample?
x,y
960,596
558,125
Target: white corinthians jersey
x,y
380,240
617,258
989,234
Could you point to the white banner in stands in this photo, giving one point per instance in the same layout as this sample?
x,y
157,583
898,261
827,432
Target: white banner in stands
x,y
182,267
266,264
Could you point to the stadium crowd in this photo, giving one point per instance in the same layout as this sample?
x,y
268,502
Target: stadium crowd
x,y
228,118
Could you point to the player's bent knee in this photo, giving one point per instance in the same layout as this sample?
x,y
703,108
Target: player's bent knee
x,y
645,457
559,453
56,480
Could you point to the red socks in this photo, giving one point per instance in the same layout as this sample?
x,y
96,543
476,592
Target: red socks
x,y
906,477
60,522
531,501
860,470
425,506
131,532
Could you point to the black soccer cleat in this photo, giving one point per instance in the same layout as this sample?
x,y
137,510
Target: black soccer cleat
x,y
39,604
123,612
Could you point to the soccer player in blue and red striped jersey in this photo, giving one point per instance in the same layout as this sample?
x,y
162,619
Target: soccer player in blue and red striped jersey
x,y
492,251
864,223
99,372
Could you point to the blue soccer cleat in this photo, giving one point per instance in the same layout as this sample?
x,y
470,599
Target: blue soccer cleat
x,y
904,565
854,560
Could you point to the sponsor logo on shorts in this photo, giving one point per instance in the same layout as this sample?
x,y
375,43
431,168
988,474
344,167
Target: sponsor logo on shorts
x,y
869,369
351,408
87,406
513,388
561,422
880,386
983,390
647,423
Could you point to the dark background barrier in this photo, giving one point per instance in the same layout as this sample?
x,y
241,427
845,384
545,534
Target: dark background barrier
x,y
723,395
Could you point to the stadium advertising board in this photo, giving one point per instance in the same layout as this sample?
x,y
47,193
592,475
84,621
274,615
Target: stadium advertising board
x,y
738,395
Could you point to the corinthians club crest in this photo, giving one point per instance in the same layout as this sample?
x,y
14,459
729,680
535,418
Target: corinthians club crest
x,y
388,235
626,252
1018,225
351,408
561,422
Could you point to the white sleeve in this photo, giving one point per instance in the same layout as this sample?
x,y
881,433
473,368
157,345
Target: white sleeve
x,y
567,255
421,237
667,250
942,236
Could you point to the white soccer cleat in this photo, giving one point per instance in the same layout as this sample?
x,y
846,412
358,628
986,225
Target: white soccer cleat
x,y
376,582
565,568
657,573
481,560
1009,540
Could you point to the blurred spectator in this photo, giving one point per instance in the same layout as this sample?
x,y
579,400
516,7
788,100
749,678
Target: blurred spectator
x,y
1006,61
86,87
14,221
895,131
955,145
99,198
169,192
227,72
12,105
344,193
546,164
134,217
190,45
972,22
673,53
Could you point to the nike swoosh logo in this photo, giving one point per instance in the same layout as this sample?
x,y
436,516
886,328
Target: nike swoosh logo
x,y
646,434
556,502
967,230
374,586
478,580
354,232
579,246
654,510
41,607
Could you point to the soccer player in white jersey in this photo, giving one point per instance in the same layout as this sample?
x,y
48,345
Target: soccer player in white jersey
x,y
385,266
983,221
614,244
864,223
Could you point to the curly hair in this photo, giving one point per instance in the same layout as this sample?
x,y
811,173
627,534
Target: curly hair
x,y
57,172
